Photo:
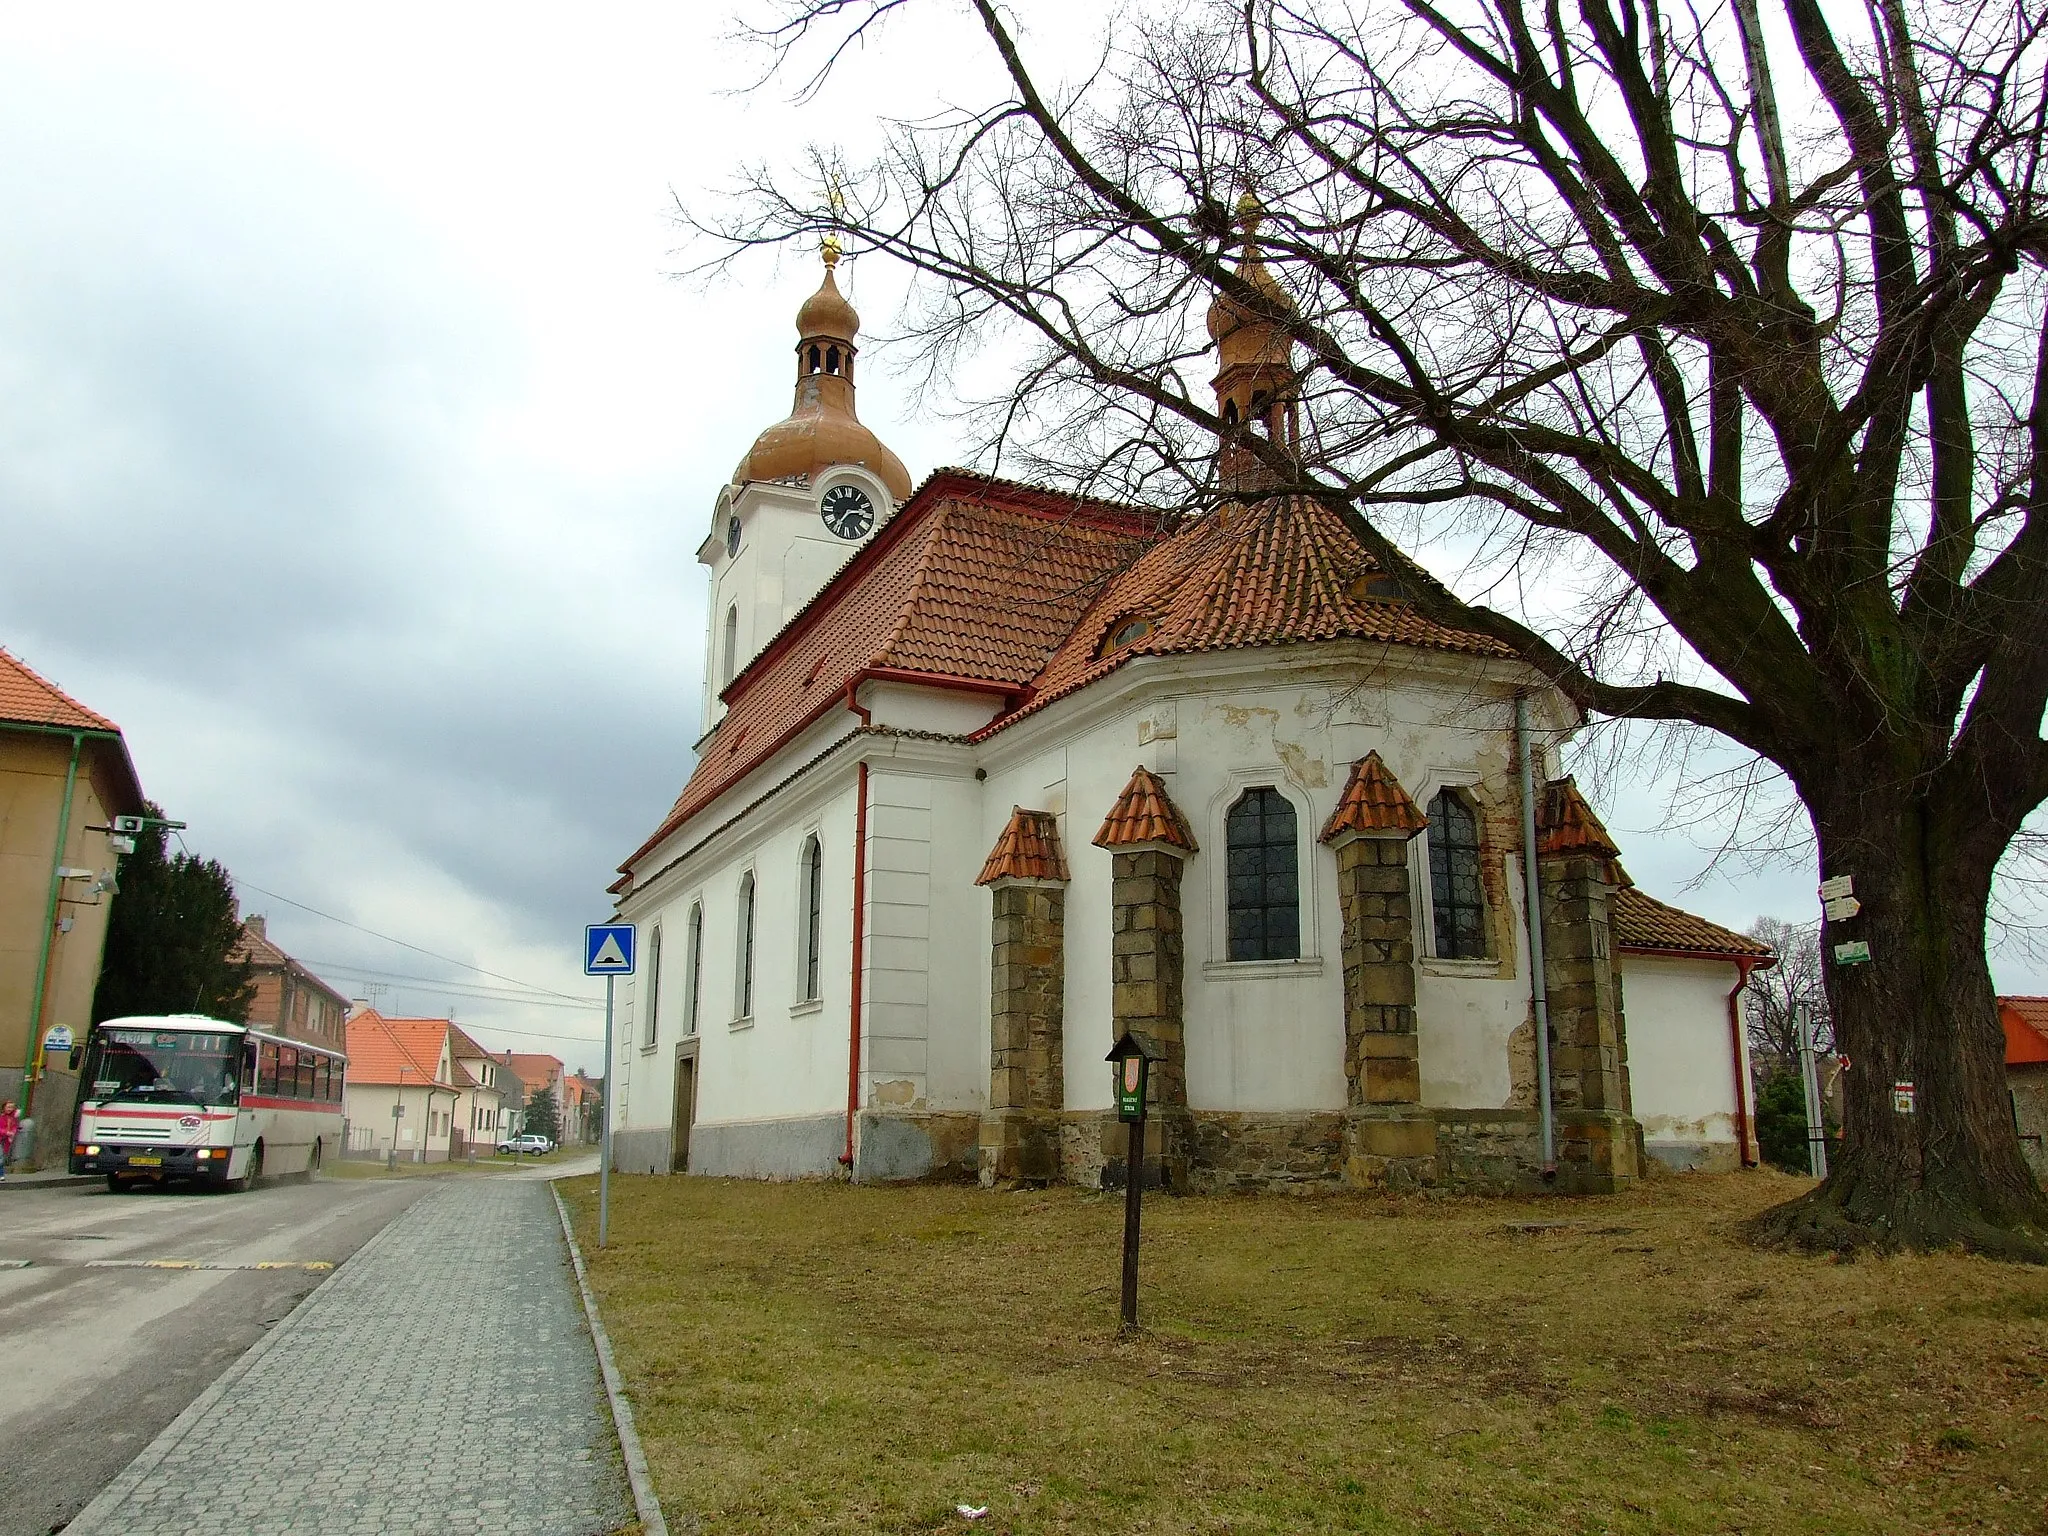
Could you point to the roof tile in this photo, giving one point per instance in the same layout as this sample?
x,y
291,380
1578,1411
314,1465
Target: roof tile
x,y
1567,824
1145,813
1373,801
1029,849
395,1052
2025,1020
27,699
1642,922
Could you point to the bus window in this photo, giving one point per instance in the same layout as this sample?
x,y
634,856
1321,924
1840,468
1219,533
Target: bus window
x,y
308,1065
248,1066
266,1081
287,1071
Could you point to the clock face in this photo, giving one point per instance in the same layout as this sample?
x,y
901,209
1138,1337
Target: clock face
x,y
732,536
847,511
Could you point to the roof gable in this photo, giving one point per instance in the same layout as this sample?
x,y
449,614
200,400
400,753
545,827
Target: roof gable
x,y
2025,1021
403,1053
27,699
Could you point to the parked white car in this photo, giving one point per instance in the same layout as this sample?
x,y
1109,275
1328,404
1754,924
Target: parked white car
x,y
532,1146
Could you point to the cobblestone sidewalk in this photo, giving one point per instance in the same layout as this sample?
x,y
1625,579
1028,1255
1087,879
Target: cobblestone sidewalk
x,y
442,1381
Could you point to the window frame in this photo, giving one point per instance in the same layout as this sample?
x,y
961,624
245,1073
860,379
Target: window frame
x,y
1461,794
650,1037
1311,870
1268,796
693,965
745,934
810,920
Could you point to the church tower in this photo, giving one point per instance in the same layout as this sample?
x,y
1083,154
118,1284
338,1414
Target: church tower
x,y
1258,391
813,488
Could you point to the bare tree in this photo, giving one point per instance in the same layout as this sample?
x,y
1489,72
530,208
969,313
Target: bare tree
x,y
1717,335
1773,995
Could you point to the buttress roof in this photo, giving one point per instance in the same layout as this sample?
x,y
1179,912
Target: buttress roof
x,y
1373,801
1145,813
1029,849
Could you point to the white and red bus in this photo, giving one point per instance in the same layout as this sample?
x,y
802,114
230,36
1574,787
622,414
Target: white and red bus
x,y
188,1097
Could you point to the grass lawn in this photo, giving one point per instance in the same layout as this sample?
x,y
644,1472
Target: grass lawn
x,y
818,1357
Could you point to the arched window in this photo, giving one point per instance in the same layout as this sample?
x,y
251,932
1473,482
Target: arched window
x,y
732,641
815,363
831,359
693,969
1458,910
811,898
1230,413
653,984
1265,891
743,979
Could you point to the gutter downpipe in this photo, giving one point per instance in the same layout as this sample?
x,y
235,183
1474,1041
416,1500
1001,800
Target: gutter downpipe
x,y
1539,985
36,997
860,904
1742,970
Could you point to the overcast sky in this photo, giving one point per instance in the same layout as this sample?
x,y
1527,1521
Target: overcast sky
x,y
356,437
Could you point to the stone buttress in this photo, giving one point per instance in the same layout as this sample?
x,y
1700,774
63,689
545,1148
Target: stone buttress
x,y
1026,873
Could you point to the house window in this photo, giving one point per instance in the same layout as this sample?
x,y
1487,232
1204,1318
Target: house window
x,y
732,642
813,905
693,967
1457,908
653,984
1265,891
743,982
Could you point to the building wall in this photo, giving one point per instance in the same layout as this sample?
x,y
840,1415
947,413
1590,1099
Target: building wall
x,y
32,771
1682,1068
2029,1085
370,1125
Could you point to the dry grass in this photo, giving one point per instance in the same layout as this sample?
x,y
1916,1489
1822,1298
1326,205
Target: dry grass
x,y
814,1357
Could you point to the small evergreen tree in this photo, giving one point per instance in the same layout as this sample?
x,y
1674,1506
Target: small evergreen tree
x,y
541,1116
1781,1123
170,938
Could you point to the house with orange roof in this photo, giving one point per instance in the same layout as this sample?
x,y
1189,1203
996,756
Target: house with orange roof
x,y
289,998
2025,1020
994,773
64,773
489,1098
401,1092
537,1072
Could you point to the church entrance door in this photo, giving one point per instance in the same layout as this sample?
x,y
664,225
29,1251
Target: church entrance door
x,y
685,1112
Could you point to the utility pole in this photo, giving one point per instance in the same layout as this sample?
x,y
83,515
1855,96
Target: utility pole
x,y
1816,1125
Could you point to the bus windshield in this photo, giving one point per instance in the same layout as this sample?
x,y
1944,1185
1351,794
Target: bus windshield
x,y
152,1066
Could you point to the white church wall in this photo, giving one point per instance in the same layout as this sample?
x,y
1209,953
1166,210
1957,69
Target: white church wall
x,y
946,711
771,1087
1682,1065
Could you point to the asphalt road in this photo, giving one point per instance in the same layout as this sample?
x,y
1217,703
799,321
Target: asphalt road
x,y
102,1347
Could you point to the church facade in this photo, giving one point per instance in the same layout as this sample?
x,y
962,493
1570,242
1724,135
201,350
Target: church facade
x,y
994,774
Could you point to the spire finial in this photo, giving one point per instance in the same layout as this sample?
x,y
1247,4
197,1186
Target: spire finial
x,y
829,249
1250,213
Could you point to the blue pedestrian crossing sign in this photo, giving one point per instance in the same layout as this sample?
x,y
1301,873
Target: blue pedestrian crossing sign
x,y
608,949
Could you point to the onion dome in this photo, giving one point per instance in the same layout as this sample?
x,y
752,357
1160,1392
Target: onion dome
x,y
821,429
1247,335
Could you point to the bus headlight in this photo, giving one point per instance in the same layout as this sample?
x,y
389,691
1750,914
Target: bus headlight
x,y
92,1151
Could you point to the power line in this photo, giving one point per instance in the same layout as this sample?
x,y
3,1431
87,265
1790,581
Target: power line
x,y
449,988
403,944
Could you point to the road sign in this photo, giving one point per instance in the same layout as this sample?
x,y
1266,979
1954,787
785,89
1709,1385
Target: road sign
x,y
608,949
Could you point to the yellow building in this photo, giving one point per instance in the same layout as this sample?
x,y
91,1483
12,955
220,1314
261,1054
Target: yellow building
x,y
64,772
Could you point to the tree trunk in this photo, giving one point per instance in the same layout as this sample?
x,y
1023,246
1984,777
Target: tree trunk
x,y
1930,1156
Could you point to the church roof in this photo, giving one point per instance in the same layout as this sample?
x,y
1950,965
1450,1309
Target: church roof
x,y
973,583
1373,801
1273,573
1029,849
1642,922
1145,813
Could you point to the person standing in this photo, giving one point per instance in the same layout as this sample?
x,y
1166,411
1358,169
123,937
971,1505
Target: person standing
x,y
10,1127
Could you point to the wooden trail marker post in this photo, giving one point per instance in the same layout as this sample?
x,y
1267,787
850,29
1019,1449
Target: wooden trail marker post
x,y
1132,1057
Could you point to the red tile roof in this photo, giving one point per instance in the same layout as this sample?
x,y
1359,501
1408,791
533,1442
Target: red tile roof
x,y
1145,813
1029,849
1567,824
27,699
1643,923
395,1052
533,1069
1373,801
973,582
1279,572
2025,1020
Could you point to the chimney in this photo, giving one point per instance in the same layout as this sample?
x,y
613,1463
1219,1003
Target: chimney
x,y
255,925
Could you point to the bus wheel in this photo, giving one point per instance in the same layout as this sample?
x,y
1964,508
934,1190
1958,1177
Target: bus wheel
x,y
248,1180
114,1184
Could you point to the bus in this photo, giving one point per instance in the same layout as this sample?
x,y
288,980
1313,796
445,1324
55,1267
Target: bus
x,y
186,1097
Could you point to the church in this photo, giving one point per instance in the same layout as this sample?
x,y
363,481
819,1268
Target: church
x,y
992,774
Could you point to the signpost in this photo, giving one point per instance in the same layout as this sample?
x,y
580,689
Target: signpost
x,y
1132,1056
607,952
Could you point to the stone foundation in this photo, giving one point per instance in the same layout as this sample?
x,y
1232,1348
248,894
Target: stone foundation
x,y
901,1146
641,1151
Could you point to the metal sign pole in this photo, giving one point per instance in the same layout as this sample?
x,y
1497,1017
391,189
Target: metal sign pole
x,y
604,1166
1809,1076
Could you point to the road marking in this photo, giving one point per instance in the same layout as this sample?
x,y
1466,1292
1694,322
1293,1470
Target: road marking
x,y
14,1263
311,1265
